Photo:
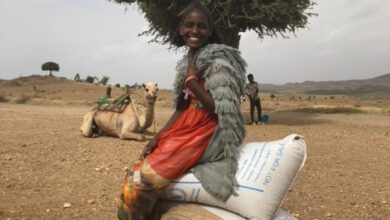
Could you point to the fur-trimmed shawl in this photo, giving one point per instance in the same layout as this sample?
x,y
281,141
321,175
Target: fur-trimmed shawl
x,y
225,79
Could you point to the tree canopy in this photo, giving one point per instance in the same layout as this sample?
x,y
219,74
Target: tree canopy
x,y
90,79
265,17
50,66
104,80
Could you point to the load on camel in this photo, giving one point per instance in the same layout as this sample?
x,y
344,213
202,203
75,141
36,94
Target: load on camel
x,y
123,117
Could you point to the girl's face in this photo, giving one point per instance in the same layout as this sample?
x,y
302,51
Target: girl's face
x,y
195,30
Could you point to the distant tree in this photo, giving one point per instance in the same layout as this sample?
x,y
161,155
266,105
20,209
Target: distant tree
x,y
77,77
136,86
117,85
265,17
90,79
50,66
272,96
96,79
126,88
104,80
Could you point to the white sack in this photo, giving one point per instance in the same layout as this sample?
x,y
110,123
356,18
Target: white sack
x,y
226,215
266,172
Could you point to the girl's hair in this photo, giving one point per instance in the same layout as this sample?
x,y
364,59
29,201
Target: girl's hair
x,y
196,6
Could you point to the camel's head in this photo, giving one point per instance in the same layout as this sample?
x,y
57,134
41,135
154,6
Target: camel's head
x,y
150,91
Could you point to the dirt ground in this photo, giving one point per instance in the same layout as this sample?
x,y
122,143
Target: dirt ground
x,y
49,171
46,163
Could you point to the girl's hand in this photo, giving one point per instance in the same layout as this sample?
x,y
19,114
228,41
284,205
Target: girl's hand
x,y
192,70
149,147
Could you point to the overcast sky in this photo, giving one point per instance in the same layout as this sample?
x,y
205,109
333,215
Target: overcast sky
x,y
350,39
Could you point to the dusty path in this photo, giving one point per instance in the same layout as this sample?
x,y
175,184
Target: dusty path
x,y
45,163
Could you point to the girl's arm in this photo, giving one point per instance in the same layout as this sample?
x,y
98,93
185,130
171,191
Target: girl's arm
x,y
153,143
201,94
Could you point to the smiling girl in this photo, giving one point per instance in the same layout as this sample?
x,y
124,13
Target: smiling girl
x,y
203,133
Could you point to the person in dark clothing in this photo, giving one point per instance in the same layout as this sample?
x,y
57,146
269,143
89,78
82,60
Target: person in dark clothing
x,y
252,91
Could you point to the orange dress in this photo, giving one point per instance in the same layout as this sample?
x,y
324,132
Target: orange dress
x,y
181,147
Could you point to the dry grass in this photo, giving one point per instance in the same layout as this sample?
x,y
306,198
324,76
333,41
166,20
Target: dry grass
x,y
333,110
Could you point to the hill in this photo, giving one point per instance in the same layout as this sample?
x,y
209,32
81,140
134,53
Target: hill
x,y
378,87
372,95
37,89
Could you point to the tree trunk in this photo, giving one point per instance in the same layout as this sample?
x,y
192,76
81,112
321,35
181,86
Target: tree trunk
x,y
108,92
50,74
230,36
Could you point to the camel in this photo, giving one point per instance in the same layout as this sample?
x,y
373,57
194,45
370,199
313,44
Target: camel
x,y
129,124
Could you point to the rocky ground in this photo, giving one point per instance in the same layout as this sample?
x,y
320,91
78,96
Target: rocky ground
x,y
49,171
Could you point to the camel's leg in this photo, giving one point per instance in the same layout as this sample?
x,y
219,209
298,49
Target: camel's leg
x,y
149,137
150,133
86,127
131,135
127,133
128,129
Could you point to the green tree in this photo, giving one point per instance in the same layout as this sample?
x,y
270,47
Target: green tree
x,y
104,80
135,86
265,17
117,85
272,96
50,66
90,79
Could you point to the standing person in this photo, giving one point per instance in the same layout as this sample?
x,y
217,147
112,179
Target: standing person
x,y
206,127
252,91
